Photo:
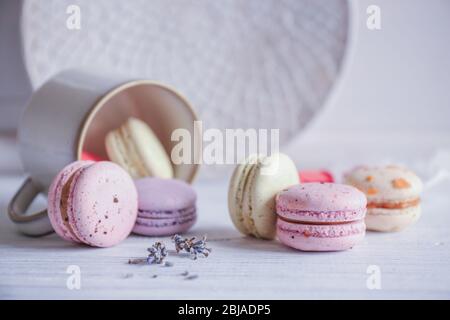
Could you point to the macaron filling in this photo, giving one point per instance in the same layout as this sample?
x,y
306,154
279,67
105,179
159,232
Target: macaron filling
x,y
321,224
165,214
394,204
54,200
163,222
321,217
166,224
317,222
334,230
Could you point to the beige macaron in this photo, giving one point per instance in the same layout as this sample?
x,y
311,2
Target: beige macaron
x,y
393,196
252,191
138,150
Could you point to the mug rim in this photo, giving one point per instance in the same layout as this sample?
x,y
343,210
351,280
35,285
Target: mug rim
x,y
119,88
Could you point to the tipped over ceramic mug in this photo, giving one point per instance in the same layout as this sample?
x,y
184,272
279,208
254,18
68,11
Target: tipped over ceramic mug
x,y
72,113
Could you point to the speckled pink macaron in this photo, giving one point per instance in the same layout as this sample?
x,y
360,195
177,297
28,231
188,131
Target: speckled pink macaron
x,y
166,207
93,203
321,216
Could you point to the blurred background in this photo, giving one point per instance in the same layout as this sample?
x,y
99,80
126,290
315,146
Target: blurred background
x,y
341,93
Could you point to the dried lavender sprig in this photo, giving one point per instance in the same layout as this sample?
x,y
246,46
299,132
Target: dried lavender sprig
x,y
137,261
157,253
199,248
192,246
182,243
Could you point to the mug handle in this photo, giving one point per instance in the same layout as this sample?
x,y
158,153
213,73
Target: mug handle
x,y
36,224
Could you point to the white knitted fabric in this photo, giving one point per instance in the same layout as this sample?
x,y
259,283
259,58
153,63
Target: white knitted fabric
x,y
242,64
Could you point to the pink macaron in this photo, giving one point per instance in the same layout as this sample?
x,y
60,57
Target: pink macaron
x,y
166,207
94,203
321,216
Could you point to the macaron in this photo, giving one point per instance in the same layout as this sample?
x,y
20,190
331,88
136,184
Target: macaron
x,y
165,207
252,190
138,150
321,216
93,203
393,195
89,156
315,176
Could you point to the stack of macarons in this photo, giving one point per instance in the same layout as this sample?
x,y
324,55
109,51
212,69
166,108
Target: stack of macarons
x,y
166,205
265,200
393,195
253,187
321,216
99,203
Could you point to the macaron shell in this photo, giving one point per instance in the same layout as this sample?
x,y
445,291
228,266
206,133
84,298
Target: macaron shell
x,y
103,205
54,199
322,197
320,237
388,183
149,149
118,152
247,210
391,220
236,193
165,206
271,175
157,194
165,226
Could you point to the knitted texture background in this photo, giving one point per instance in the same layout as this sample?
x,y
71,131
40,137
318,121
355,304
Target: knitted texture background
x,y
242,64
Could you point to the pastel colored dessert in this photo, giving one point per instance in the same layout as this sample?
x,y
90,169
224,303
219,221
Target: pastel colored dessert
x,y
393,196
252,190
93,203
89,156
321,216
138,150
315,176
166,207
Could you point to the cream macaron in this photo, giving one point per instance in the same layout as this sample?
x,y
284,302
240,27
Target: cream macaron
x,y
138,150
393,196
252,191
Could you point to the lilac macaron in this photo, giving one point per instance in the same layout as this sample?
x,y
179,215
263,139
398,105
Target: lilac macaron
x,y
321,216
93,203
166,207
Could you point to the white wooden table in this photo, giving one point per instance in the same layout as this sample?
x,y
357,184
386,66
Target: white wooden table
x,y
413,264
